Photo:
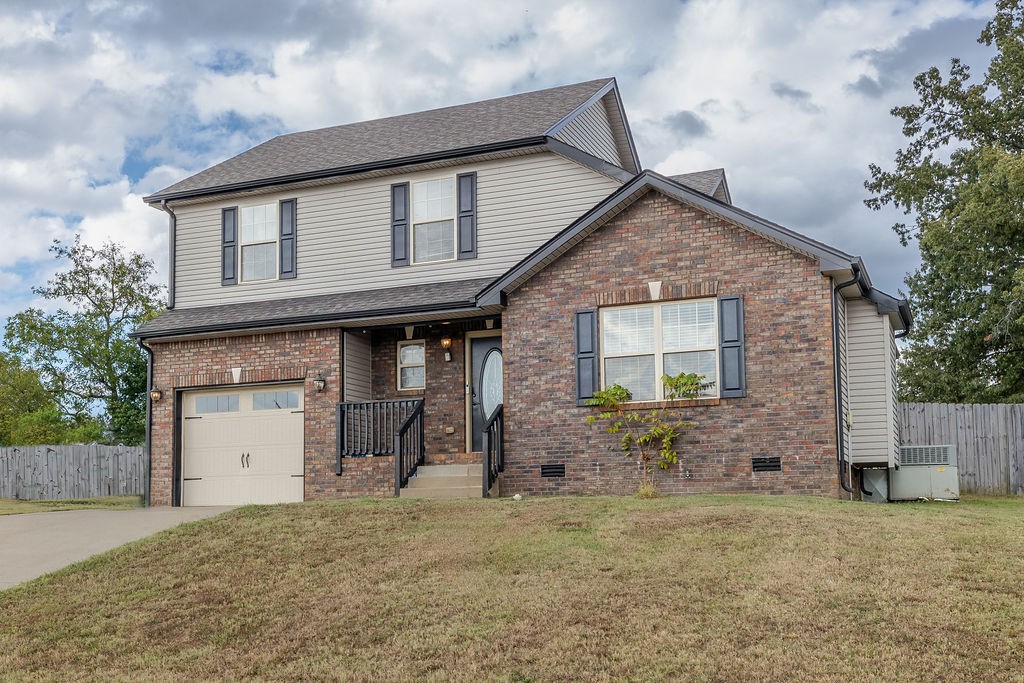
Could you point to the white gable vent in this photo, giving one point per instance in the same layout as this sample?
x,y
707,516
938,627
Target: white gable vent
x,y
928,455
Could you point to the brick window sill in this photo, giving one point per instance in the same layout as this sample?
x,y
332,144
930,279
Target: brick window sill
x,y
683,403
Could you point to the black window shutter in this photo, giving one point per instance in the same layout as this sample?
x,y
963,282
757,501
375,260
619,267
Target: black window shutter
x,y
467,215
400,225
733,376
229,246
587,359
287,262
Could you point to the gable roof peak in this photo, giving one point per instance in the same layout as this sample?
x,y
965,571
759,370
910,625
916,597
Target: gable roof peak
x,y
513,120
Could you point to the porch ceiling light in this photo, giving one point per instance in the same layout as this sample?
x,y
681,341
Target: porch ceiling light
x,y
319,383
155,395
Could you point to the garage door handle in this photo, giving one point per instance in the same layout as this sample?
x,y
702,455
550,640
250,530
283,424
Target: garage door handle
x,y
243,459
246,459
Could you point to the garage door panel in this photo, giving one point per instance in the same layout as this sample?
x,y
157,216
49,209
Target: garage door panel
x,y
270,460
216,491
213,462
242,446
270,490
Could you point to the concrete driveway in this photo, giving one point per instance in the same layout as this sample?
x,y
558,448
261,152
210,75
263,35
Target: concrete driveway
x,y
41,542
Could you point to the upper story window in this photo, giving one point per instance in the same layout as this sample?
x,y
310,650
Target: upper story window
x,y
258,232
639,344
433,220
258,243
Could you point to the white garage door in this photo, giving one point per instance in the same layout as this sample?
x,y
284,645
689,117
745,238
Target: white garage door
x,y
241,446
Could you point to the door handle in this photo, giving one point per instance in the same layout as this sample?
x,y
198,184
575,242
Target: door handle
x,y
243,459
246,459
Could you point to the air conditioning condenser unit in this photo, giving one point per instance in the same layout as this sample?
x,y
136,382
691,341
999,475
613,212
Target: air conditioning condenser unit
x,y
925,472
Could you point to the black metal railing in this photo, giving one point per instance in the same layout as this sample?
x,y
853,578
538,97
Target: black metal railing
x,y
408,448
494,448
369,427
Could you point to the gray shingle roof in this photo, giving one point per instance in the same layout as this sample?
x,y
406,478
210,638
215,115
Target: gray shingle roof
x,y
705,182
324,308
491,122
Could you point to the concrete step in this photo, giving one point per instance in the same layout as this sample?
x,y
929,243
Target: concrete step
x,y
476,470
445,481
438,482
443,492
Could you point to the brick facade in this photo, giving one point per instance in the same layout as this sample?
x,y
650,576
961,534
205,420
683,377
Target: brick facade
x,y
789,408
445,391
298,356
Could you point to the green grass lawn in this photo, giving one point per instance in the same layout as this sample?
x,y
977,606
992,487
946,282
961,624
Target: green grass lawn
x,y
9,506
687,588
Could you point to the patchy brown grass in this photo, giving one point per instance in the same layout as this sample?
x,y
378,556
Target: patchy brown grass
x,y
9,506
595,589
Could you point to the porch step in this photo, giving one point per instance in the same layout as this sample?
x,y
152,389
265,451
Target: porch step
x,y
445,481
476,470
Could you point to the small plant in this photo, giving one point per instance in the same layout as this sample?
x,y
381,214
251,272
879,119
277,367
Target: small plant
x,y
645,432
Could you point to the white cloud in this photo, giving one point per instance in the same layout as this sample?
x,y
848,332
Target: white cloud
x,y
792,98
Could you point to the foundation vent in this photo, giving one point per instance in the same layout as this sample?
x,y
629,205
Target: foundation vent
x,y
773,464
553,469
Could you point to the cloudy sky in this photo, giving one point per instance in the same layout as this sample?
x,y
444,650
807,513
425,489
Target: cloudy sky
x,y
103,102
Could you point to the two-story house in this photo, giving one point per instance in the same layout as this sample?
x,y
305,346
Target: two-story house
x,y
422,304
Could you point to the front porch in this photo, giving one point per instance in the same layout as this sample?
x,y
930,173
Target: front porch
x,y
429,396
396,428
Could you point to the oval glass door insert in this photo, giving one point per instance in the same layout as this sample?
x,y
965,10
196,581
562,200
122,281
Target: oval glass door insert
x,y
491,387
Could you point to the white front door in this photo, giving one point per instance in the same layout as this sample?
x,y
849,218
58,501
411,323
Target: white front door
x,y
242,446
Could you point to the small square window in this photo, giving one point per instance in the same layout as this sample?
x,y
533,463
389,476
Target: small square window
x,y
411,365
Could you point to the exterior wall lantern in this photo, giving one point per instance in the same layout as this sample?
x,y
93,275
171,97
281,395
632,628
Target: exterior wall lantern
x,y
155,395
319,383
446,344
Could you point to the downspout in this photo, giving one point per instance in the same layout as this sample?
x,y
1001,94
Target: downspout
x,y
840,446
172,230
149,418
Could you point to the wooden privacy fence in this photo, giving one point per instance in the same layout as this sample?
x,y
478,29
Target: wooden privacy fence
x,y
989,441
71,472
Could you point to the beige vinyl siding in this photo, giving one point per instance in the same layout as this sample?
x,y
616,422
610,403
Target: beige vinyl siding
x,y
844,369
870,360
591,132
894,407
344,231
356,374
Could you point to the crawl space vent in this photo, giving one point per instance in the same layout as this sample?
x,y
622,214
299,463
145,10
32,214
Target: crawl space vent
x,y
773,464
552,470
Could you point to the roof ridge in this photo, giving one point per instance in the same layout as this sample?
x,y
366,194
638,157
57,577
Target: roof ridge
x,y
602,81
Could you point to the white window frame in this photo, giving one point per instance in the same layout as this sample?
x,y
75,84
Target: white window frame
x,y
276,242
454,218
659,351
399,366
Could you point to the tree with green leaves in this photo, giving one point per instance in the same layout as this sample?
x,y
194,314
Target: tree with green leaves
x,y
961,178
647,435
29,415
82,351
